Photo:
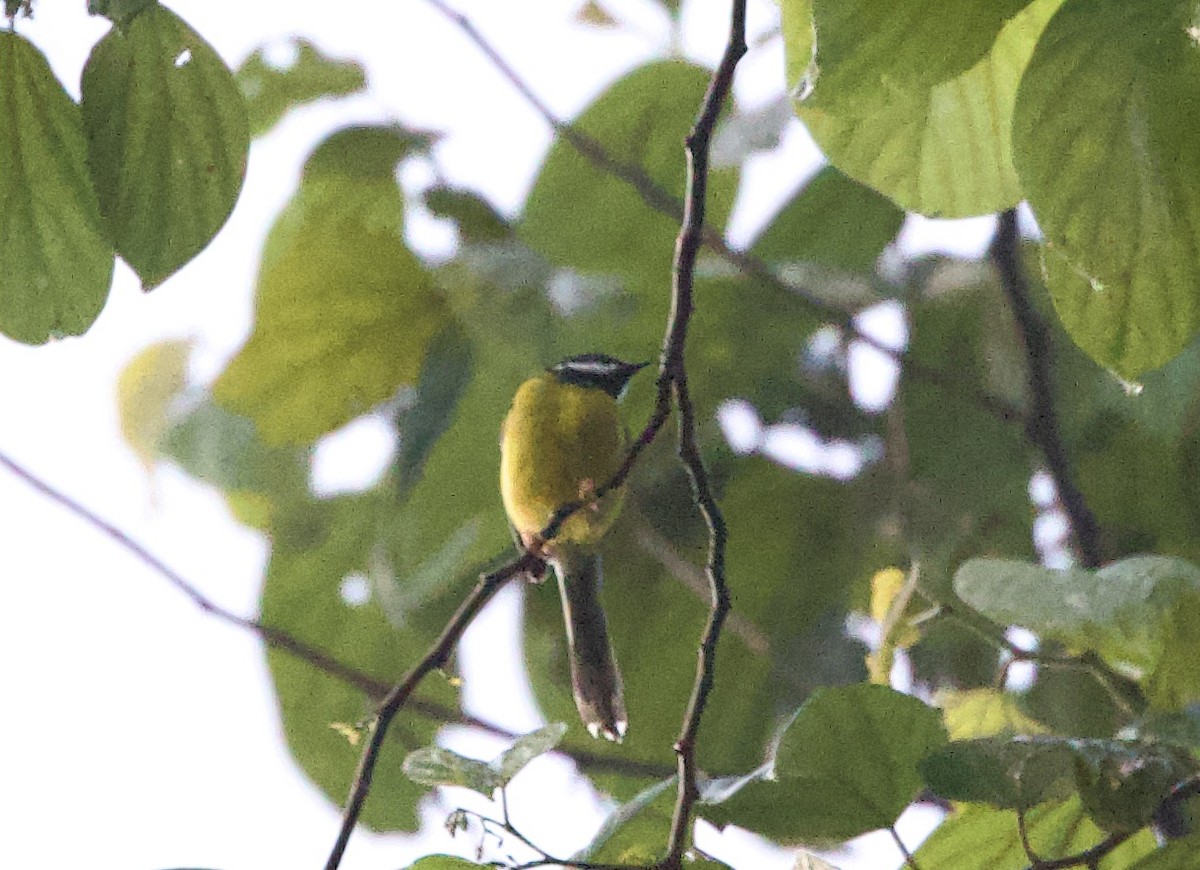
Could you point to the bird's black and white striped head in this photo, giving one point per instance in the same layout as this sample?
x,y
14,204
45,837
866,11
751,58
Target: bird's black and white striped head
x,y
597,371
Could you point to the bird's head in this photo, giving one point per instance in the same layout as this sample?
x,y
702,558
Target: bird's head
x,y
596,371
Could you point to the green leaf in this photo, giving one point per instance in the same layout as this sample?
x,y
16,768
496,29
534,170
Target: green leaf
x,y
147,387
970,469
799,40
445,374
860,747
621,819
1006,773
55,265
587,219
436,765
1123,784
915,108
1140,612
316,547
845,765
865,49
1179,855
442,862
345,311
832,221
224,450
478,221
983,713
526,748
167,141
982,838
272,90
1104,131
119,12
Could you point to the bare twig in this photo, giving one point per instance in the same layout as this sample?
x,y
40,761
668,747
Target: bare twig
x,y
437,656
1125,693
1041,425
662,201
674,369
909,860
284,641
272,636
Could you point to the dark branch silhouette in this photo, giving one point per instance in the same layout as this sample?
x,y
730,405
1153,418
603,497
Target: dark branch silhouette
x,y
674,370
1041,425
280,639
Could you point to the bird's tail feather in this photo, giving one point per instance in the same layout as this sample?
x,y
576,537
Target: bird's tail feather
x,y
594,675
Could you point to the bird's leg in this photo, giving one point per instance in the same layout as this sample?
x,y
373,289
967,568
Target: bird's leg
x,y
587,494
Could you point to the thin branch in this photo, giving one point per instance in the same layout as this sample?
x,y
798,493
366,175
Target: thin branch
x,y
1125,693
662,201
1041,425
437,657
674,367
909,860
271,636
278,638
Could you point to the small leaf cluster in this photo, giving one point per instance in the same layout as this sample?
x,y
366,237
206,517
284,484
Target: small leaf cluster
x,y
147,166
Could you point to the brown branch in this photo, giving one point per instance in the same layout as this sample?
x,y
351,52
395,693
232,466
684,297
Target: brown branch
x,y
662,201
1041,425
437,657
271,636
278,638
674,369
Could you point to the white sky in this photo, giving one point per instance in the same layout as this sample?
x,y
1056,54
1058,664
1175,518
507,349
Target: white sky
x,y
138,733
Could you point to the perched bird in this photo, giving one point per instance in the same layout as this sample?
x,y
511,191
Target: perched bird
x,y
561,441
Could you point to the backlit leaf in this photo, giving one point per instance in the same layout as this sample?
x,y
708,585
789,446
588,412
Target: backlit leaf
x,y
1104,132
344,310
167,141
55,264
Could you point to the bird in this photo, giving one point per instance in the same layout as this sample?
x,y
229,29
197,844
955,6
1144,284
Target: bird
x,y
562,441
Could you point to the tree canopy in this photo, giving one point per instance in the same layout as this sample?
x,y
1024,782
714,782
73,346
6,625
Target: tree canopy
x,y
1066,355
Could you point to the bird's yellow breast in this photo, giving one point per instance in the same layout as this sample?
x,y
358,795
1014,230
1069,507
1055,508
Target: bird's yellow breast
x,y
560,442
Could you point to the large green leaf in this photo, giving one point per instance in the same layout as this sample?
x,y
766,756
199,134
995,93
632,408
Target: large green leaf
x,y
865,49
1105,127
846,764
1179,855
345,311
315,548
167,141
982,838
1006,773
1141,612
587,219
271,90
860,745
55,265
918,104
832,221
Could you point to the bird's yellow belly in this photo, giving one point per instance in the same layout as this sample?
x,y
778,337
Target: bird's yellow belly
x,y
560,442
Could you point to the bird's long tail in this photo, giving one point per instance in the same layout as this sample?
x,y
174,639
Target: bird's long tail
x,y
594,675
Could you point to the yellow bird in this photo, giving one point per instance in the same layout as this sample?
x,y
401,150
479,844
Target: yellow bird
x,y
563,439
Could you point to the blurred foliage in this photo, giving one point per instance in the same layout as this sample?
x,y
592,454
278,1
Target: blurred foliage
x,y
1087,108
